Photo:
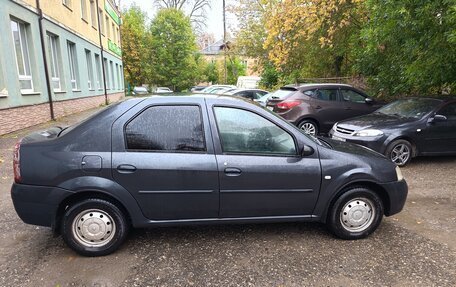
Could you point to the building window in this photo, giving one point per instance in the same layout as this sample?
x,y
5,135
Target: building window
x,y
113,84
100,17
117,77
84,10
19,30
114,34
53,52
121,77
98,67
73,65
118,37
106,70
108,31
93,14
90,80
67,3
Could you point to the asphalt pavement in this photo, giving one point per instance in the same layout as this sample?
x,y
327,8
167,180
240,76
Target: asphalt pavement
x,y
414,248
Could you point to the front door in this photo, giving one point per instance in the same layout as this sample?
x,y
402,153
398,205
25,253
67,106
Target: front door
x,y
355,103
167,163
440,136
260,171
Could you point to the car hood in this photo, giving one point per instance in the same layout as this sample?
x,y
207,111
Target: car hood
x,y
352,148
375,121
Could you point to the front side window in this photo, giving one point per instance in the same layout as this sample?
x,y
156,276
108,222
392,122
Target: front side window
x,y
73,65
54,61
352,96
449,111
19,30
167,128
326,94
242,131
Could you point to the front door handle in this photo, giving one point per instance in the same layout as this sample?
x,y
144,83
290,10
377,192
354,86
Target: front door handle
x,y
232,171
126,168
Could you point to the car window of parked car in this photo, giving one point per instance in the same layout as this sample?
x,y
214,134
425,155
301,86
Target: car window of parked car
x,y
258,94
326,94
167,128
310,93
449,111
410,108
352,96
243,131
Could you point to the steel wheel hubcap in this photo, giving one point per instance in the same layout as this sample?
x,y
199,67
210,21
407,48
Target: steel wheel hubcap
x,y
93,228
400,154
357,214
308,128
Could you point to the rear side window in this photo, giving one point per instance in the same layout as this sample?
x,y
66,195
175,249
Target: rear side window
x,y
326,94
167,128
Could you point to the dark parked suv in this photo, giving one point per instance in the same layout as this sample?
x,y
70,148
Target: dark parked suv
x,y
178,160
315,108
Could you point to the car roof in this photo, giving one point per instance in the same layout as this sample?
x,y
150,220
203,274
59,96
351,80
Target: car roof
x,y
185,97
317,85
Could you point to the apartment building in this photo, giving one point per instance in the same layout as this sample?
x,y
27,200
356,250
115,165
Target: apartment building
x,y
57,57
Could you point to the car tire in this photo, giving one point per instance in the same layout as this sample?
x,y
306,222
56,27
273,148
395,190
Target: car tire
x,y
400,152
309,127
94,227
355,214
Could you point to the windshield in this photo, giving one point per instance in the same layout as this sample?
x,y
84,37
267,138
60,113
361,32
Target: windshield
x,y
410,108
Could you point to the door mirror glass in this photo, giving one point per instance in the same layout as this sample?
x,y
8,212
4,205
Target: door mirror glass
x,y
307,150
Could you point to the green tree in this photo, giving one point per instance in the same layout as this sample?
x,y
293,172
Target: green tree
x,y
408,47
134,36
173,48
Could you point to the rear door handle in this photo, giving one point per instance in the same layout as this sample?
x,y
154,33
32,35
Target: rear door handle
x,y
126,168
232,171
318,107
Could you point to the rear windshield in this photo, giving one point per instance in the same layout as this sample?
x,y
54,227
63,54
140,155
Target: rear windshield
x,y
281,94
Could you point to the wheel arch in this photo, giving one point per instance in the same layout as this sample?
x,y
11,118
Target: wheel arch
x,y
307,117
375,187
406,138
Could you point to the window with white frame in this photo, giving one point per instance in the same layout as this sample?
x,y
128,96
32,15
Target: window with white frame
x,y
84,10
100,17
73,65
67,3
108,31
21,48
121,77
90,80
106,70
117,77
118,37
113,83
93,13
54,60
114,34
98,67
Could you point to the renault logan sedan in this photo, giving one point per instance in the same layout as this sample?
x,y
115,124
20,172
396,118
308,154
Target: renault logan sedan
x,y
164,161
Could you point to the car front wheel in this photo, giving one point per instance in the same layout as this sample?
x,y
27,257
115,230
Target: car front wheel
x,y
399,152
94,227
355,214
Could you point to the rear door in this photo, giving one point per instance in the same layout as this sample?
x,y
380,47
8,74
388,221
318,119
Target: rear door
x,y
260,171
163,155
440,136
328,109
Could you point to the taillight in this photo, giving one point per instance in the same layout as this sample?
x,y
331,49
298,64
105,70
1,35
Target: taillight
x,y
286,105
17,162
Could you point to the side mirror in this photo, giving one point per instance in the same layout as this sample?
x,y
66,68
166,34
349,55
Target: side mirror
x,y
437,119
369,101
307,150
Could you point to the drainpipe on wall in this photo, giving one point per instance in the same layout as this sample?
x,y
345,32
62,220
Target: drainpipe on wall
x,y
43,49
103,68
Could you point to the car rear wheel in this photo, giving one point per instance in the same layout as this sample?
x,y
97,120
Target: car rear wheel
x,y
94,227
355,214
309,127
399,152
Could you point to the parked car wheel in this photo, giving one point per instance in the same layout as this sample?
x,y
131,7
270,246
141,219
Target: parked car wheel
x,y
309,127
355,214
400,152
94,227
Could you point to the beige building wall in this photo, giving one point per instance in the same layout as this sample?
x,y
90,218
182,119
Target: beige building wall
x,y
69,13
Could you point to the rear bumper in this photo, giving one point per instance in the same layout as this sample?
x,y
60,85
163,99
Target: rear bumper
x,y
397,194
37,205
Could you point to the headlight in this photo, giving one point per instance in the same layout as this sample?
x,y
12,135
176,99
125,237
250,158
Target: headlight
x,y
399,174
368,133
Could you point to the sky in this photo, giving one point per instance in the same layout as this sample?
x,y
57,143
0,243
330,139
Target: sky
x,y
214,21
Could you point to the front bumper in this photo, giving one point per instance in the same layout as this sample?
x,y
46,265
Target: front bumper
x,y
37,205
397,194
375,143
